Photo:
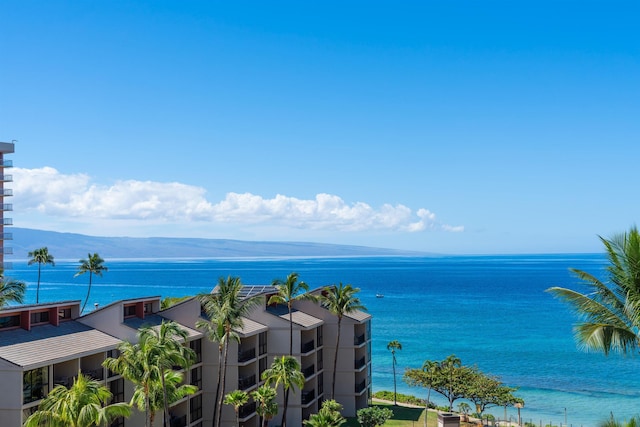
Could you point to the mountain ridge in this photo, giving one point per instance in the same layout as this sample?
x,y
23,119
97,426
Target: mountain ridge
x,y
63,245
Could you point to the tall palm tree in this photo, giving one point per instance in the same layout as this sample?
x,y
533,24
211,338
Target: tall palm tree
x,y
393,346
285,371
340,300
225,307
611,310
290,290
328,416
11,290
85,404
94,265
41,257
429,368
168,352
266,405
236,398
148,364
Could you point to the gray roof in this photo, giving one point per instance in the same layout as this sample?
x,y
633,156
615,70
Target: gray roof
x,y
359,315
155,320
303,319
46,344
251,327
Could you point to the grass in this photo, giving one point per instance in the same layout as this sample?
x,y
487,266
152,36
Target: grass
x,y
403,416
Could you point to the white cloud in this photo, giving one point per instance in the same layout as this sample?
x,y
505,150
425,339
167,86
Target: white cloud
x,y
54,194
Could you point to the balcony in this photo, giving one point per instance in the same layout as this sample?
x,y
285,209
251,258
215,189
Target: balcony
x,y
247,410
246,382
359,363
180,421
6,178
6,207
359,340
96,374
6,251
307,347
4,163
246,355
308,371
308,396
361,386
6,236
7,221
6,192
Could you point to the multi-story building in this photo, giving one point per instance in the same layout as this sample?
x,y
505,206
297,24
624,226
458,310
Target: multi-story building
x,y
47,344
5,148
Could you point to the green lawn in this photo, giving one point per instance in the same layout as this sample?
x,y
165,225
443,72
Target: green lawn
x,y
402,417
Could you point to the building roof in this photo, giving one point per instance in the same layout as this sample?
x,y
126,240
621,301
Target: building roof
x,y
359,315
251,327
303,319
46,344
155,321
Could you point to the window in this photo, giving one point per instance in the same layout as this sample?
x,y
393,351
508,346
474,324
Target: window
x,y
113,354
35,384
195,405
148,308
262,366
319,335
196,346
39,317
9,321
117,390
320,362
262,343
129,310
64,313
196,377
320,383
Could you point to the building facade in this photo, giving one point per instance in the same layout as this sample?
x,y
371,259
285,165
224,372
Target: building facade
x,y
5,221
47,344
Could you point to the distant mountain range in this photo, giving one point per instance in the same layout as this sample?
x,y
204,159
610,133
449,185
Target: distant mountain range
x,y
76,246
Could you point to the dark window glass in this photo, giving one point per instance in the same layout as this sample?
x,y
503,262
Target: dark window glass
x,y
129,310
39,317
9,321
319,335
262,343
196,346
196,377
196,407
35,384
64,313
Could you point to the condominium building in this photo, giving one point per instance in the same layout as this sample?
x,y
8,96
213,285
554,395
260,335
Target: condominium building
x,y
47,344
5,148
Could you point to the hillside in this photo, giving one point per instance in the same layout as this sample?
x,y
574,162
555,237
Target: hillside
x,y
75,246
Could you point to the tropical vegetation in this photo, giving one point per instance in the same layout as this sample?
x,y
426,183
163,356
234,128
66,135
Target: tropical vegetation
x,y
393,346
328,416
340,300
41,257
84,404
284,371
224,307
94,265
373,416
11,291
266,405
236,398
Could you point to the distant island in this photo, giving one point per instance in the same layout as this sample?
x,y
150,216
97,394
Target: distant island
x,y
76,246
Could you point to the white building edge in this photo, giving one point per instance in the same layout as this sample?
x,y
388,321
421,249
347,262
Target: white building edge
x,y
47,344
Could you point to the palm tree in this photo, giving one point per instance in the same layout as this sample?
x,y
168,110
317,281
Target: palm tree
x,y
225,307
393,346
169,352
148,364
41,257
611,310
284,370
328,416
340,300
429,368
11,290
236,398
94,265
290,290
85,404
266,405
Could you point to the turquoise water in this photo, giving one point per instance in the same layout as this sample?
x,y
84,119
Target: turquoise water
x,y
490,311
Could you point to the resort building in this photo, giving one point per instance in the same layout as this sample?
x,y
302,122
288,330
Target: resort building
x,y
5,148
48,344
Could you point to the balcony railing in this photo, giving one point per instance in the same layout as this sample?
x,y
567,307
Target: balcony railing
x,y
6,192
361,386
246,355
178,421
6,236
359,340
307,347
6,207
7,221
7,265
96,374
308,396
246,382
6,178
308,371
7,251
359,363
4,163
246,410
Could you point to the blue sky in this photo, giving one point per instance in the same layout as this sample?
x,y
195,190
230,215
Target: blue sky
x,y
449,127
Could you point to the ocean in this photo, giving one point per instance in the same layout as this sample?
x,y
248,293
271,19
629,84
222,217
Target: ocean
x,y
490,311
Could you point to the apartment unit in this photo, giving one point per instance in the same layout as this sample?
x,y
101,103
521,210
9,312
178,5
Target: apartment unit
x,y
47,344
5,148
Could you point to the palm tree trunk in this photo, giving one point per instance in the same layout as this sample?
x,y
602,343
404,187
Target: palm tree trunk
x,y
166,403
426,406
284,408
88,293
335,360
395,399
215,402
222,382
38,291
290,332
148,419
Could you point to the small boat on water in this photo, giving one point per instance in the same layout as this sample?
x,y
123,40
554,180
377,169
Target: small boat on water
x,y
379,295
